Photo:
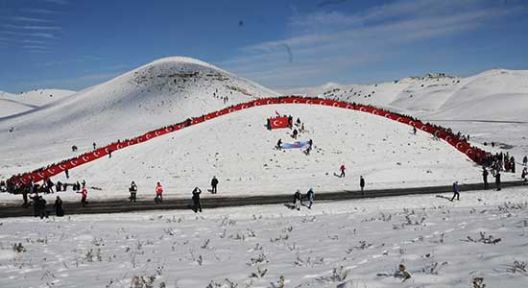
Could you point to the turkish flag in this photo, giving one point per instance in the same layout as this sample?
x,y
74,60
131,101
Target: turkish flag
x,y
279,122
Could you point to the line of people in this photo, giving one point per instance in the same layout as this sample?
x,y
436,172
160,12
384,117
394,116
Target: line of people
x,y
159,190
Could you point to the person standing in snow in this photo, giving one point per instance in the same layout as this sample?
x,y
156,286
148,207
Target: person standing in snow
x,y
67,173
84,195
498,180
362,184
279,144
297,200
94,146
133,191
342,169
414,130
294,134
485,177
214,184
197,206
59,211
159,193
310,196
455,191
525,160
524,175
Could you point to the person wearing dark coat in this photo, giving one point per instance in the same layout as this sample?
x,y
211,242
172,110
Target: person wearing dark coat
x,y
214,184
455,191
362,184
59,211
485,177
25,198
310,196
36,205
297,200
133,191
498,180
279,144
197,206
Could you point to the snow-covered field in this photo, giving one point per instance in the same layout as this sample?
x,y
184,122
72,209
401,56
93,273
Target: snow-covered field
x,y
341,244
494,95
385,152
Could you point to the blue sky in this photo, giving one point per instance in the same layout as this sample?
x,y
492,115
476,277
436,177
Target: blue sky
x,y
73,44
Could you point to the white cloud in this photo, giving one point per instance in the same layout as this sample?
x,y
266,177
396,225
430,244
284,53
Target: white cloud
x,y
29,19
33,27
326,43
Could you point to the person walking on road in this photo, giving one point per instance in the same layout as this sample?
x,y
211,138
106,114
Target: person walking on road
x,y
297,200
498,180
159,193
485,177
59,211
133,191
310,196
197,206
455,191
84,195
214,184
362,184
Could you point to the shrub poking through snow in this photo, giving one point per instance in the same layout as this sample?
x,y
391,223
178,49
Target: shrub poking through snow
x,y
478,282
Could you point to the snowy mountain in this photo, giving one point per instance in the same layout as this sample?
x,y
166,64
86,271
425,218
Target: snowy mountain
x,y
492,95
162,92
237,148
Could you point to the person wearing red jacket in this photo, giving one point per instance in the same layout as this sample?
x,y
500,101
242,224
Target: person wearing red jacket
x,y
342,168
159,193
84,195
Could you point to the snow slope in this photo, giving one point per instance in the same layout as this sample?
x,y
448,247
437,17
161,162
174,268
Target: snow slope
x,y
492,95
385,152
12,104
341,244
162,92
473,105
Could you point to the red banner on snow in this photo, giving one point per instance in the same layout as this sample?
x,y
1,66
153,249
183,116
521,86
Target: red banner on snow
x,y
278,122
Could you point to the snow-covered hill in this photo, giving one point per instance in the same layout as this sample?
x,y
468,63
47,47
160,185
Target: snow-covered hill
x,y
12,104
490,106
162,92
237,148
498,95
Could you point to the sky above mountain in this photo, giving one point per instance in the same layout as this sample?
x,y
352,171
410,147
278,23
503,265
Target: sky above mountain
x,y
281,44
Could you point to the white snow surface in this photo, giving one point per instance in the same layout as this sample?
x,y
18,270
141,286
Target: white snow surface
x,y
385,152
157,94
491,106
237,148
498,95
339,244
12,104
